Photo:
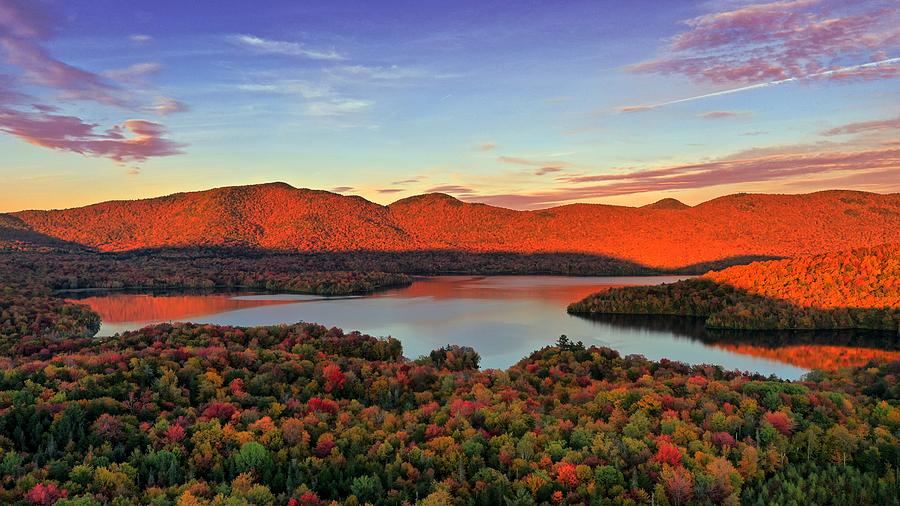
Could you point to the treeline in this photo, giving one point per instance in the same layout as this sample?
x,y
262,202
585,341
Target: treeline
x,y
34,315
857,289
304,415
210,260
66,271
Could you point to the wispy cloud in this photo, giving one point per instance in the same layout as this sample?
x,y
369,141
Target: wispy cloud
x,y
24,26
872,155
547,170
382,73
337,107
303,88
891,64
140,39
408,181
450,188
342,189
134,74
882,125
747,169
635,108
41,68
486,146
724,114
131,141
165,106
390,190
515,160
781,40
285,48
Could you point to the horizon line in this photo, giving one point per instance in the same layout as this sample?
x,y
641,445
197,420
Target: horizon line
x,y
466,200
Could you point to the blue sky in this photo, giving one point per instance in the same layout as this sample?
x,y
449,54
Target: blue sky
x,y
520,104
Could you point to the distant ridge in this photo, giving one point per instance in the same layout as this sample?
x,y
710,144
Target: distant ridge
x,y
277,216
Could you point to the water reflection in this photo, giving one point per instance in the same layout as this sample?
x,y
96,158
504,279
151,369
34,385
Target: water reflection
x,y
123,311
504,318
824,350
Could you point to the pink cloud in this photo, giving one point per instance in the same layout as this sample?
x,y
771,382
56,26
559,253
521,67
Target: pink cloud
x,y
724,114
165,106
19,18
136,74
390,190
514,160
782,40
882,125
23,25
43,69
144,139
449,188
8,95
547,170
749,167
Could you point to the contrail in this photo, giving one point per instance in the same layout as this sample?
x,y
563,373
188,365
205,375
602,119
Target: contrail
x,y
763,85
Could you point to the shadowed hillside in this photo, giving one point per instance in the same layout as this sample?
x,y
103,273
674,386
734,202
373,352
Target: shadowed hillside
x,y
667,234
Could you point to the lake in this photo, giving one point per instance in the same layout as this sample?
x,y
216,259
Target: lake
x,y
504,318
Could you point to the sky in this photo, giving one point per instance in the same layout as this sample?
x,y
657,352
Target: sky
x,y
521,104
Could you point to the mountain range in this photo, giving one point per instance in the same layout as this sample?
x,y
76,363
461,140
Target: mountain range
x,y
277,216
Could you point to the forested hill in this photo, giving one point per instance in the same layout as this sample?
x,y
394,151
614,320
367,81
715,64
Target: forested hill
x,y
277,216
853,289
863,278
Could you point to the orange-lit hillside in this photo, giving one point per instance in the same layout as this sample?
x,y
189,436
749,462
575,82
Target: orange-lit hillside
x,y
845,290
863,278
665,235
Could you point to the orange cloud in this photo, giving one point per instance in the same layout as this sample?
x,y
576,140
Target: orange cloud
x,y
635,108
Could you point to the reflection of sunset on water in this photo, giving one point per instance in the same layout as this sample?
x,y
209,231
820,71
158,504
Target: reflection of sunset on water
x,y
121,308
505,318
555,289
822,357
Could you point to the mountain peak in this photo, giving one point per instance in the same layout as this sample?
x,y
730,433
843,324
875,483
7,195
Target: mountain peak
x,y
428,198
667,203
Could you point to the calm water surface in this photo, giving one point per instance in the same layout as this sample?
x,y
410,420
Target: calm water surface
x,y
503,317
